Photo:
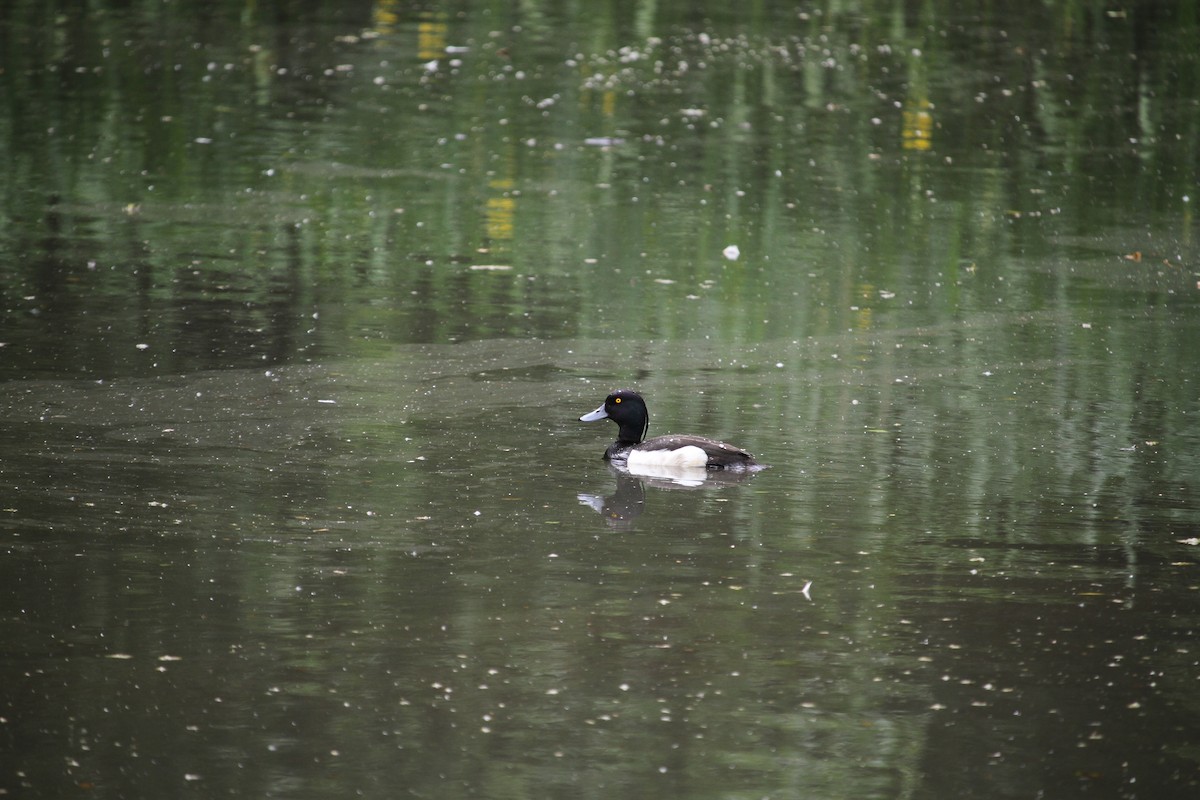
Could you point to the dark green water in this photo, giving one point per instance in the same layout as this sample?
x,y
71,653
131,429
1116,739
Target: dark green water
x,y
300,303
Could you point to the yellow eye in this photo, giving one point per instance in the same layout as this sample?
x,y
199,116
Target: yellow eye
x,y
616,400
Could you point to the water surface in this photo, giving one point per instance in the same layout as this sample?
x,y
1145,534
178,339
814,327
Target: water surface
x,y
300,309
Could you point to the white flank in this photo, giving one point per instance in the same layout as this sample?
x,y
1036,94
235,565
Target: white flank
x,y
690,456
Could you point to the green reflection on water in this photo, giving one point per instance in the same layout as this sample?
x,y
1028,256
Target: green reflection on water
x,y
224,190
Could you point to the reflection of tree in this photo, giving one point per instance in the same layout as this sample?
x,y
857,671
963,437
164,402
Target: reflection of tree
x,y
776,138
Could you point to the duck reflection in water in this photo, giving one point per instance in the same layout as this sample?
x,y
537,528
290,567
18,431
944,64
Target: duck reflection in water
x,y
623,506
628,501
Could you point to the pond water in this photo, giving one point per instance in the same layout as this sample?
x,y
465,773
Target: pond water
x,y
301,303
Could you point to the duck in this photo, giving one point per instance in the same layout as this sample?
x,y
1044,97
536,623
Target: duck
x,y
628,410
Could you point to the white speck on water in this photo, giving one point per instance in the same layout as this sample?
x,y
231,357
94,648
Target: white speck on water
x,y
732,252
